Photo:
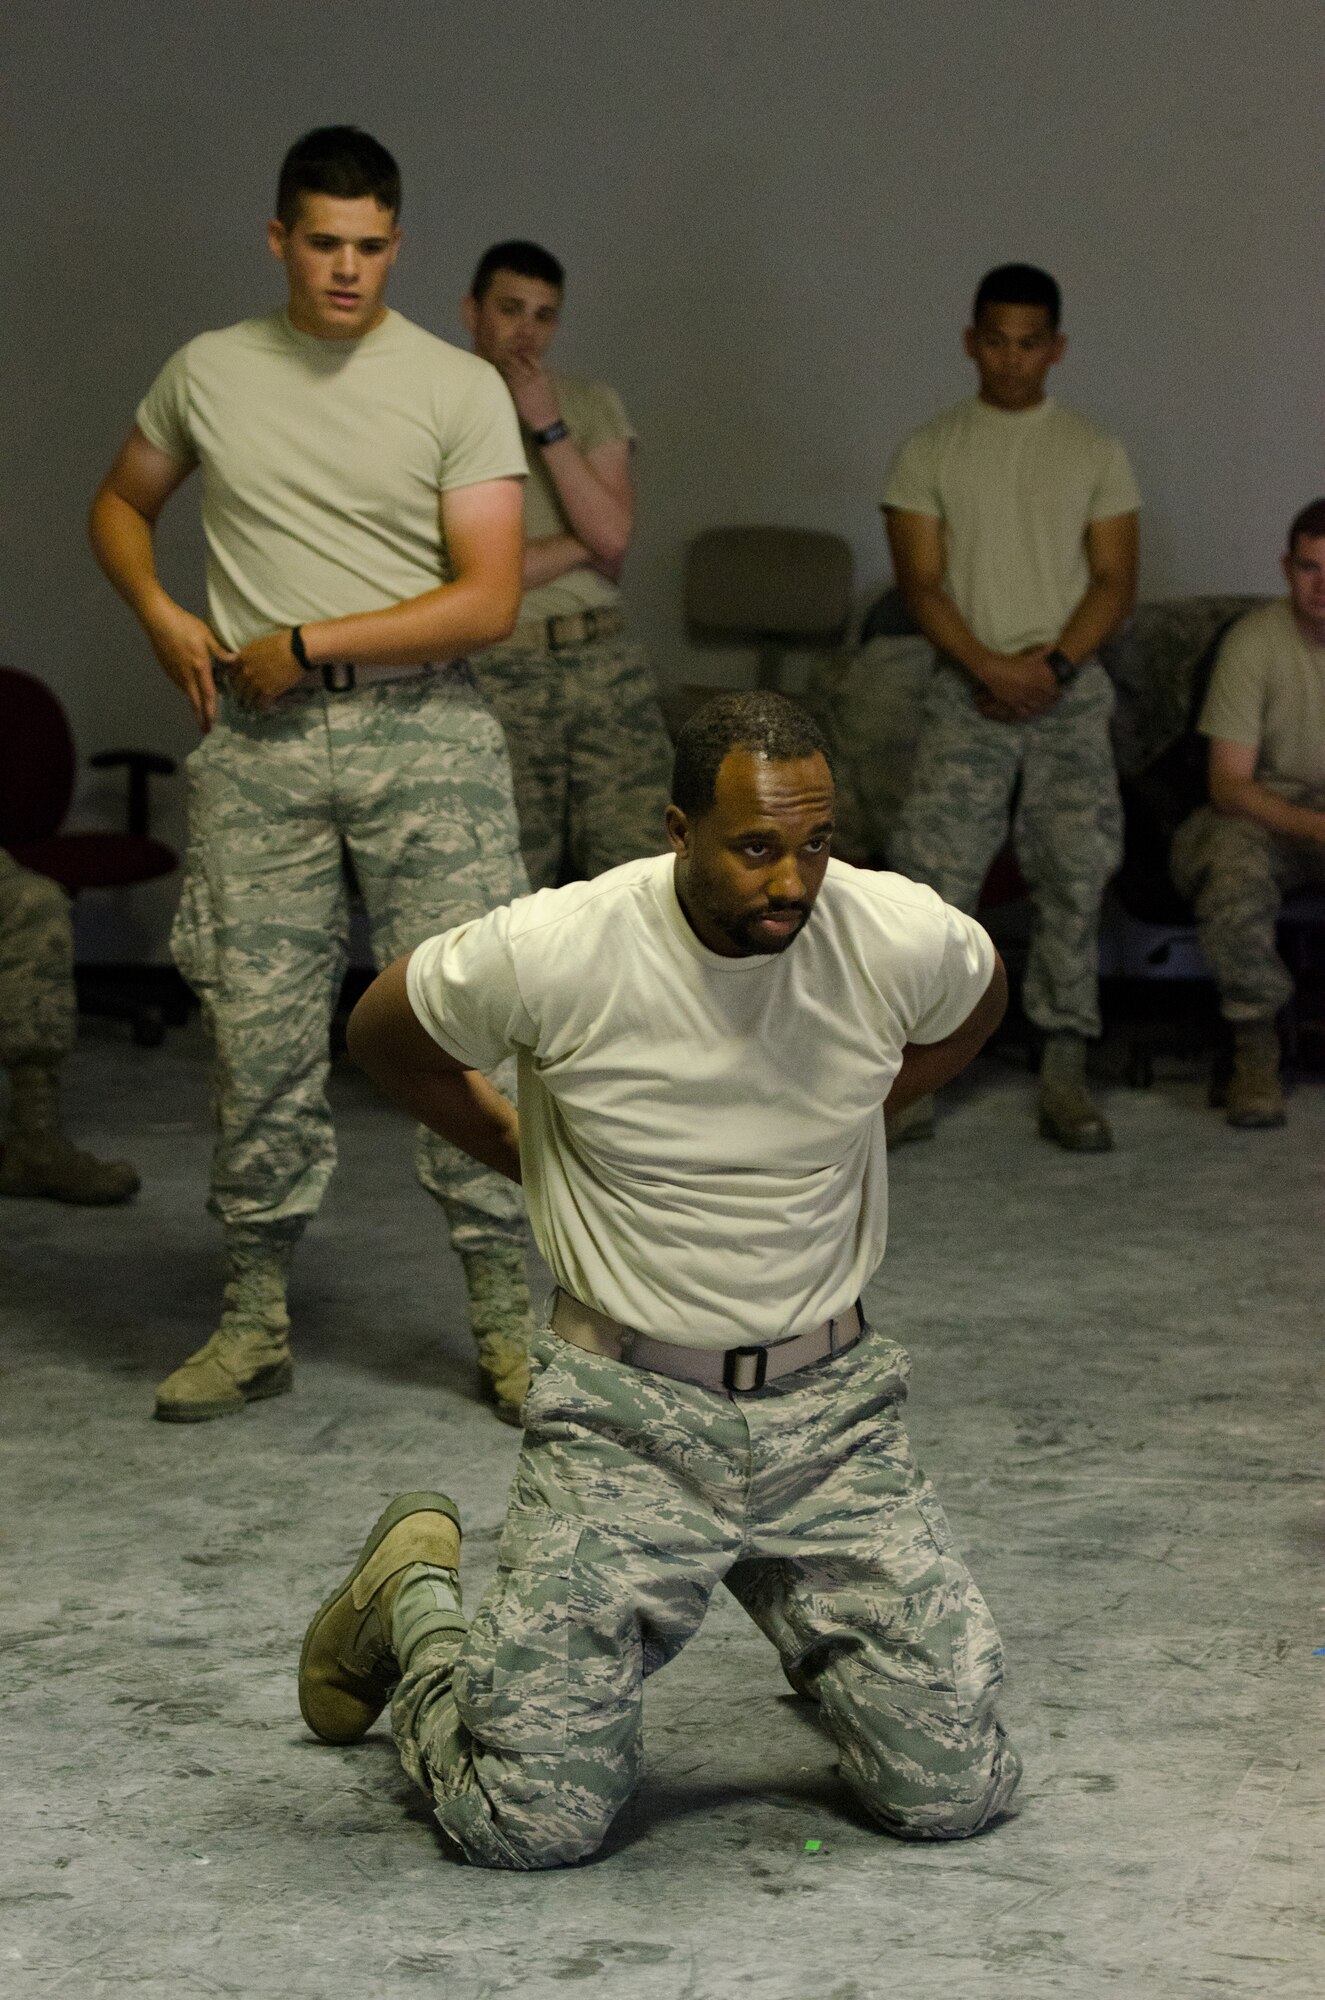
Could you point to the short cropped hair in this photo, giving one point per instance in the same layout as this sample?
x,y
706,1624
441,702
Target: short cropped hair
x,y
1311,521
527,260
1019,285
338,160
767,725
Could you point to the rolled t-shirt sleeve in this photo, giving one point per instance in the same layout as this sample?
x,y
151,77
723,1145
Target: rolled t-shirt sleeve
x,y
965,968
1116,491
1233,709
163,415
912,483
464,992
480,433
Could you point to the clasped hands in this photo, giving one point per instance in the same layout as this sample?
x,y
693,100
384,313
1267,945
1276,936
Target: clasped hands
x,y
1022,687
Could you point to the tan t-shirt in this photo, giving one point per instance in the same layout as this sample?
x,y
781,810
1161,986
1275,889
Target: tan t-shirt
x,y
1268,690
322,462
594,415
1015,490
701,1137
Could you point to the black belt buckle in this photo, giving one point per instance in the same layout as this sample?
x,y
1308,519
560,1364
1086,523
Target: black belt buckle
x,y
338,677
554,638
730,1362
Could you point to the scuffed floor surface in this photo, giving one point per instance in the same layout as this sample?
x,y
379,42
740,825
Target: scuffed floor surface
x,y
1117,1375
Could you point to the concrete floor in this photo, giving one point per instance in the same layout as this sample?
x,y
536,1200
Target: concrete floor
x,y
1117,1371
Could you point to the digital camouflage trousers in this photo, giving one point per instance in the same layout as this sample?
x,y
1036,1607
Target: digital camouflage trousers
x,y
37,1007
1066,826
634,1497
406,784
1236,874
590,754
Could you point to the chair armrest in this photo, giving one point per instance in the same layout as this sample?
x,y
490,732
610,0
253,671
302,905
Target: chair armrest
x,y
140,764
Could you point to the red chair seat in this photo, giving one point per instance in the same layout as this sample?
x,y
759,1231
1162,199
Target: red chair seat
x,y
96,860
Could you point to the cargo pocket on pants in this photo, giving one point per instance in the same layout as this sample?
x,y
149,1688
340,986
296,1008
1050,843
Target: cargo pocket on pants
x,y
974,1649
523,1628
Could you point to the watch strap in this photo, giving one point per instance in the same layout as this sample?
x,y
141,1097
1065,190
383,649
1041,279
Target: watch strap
x,y
1062,669
298,648
551,433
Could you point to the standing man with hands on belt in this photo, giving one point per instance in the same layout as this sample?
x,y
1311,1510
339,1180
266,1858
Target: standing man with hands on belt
x,y
706,1040
575,696
362,510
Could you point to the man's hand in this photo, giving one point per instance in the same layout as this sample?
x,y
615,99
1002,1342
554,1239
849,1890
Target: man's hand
x,y
265,669
187,647
1017,687
532,391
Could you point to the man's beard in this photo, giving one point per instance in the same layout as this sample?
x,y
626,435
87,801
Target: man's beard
x,y
743,931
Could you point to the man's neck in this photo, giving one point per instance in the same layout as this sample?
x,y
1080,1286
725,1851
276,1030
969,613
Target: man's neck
x,y
1312,630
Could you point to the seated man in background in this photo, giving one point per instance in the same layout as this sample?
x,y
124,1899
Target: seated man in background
x,y
37,1025
589,751
1012,523
1263,831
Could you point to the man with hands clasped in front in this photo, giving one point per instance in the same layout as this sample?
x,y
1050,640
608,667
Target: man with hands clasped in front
x,y
1012,523
363,517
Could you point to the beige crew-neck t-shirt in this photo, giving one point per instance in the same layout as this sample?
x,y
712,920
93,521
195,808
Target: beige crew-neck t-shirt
x,y
594,415
323,462
1268,690
702,1137
1015,491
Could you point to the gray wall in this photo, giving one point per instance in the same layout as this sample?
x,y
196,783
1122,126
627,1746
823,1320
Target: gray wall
x,y
772,213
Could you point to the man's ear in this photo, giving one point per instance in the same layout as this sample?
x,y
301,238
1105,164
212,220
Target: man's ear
x,y
678,831
277,238
469,313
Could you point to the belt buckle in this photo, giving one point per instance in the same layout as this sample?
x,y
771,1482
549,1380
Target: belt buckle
x,y
731,1361
339,677
554,639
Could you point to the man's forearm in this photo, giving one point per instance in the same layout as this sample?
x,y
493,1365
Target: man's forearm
x,y
123,544
943,625
600,519
442,624
1245,799
1101,611
461,1106
552,556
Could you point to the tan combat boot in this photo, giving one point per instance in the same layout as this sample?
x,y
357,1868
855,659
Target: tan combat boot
x,y
248,1357
348,1666
1255,1095
1069,1114
502,1324
37,1159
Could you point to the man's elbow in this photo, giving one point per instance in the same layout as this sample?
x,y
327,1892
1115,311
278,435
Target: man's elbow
x,y
495,619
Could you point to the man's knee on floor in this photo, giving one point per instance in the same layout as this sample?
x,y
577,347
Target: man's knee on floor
x,y
527,1825
943,1797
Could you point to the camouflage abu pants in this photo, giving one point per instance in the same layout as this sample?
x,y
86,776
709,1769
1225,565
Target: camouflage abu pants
x,y
1066,827
37,1008
589,753
1236,873
408,779
634,1497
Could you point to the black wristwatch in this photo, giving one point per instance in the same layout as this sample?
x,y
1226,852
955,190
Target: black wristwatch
x,y
1062,669
299,649
551,434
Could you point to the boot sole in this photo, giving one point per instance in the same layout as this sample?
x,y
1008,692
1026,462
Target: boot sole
x,y
400,1509
278,1380
1095,1142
